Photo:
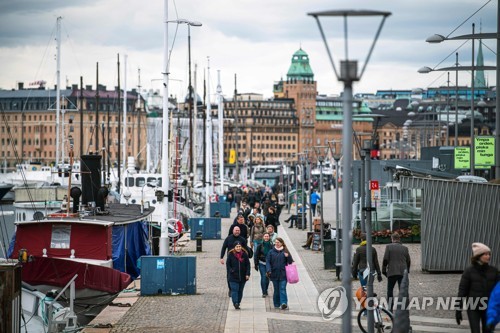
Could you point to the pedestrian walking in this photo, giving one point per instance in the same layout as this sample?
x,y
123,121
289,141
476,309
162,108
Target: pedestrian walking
x,y
314,199
240,222
238,272
272,218
396,260
276,260
272,234
359,262
476,284
281,202
260,262
257,233
229,244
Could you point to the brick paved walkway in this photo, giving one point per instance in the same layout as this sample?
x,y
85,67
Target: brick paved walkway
x,y
211,310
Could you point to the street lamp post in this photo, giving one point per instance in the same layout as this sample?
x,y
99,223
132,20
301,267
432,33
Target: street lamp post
x,y
190,89
336,156
348,75
321,153
303,199
491,35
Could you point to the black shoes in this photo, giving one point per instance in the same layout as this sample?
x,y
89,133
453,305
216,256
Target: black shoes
x,y
237,306
305,247
284,306
264,295
290,227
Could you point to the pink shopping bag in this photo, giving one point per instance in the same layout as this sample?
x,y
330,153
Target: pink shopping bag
x,y
292,275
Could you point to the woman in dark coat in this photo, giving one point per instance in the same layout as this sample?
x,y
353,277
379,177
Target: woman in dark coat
x,y
276,260
238,272
260,261
476,285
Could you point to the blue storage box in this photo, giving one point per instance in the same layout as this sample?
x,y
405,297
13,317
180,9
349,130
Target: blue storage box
x,y
209,226
168,275
224,209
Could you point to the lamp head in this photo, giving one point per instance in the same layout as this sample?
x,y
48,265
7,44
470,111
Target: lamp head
x,y
191,23
425,70
435,39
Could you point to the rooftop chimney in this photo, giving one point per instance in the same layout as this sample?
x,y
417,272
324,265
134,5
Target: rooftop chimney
x,y
20,85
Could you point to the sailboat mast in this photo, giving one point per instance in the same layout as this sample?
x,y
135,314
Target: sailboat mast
x,y
208,144
164,246
220,110
138,111
58,90
124,115
81,115
97,108
194,159
118,185
236,129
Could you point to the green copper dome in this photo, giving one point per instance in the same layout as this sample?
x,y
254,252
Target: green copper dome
x,y
300,68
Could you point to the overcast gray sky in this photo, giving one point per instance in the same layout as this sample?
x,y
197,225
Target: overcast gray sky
x,y
253,38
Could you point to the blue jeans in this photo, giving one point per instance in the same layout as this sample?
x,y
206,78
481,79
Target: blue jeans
x,y
279,296
256,243
361,279
264,280
237,291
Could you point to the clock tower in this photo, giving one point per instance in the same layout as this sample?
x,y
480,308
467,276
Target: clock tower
x,y
301,87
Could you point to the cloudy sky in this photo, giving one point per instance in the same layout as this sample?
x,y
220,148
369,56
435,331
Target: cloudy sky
x,y
254,39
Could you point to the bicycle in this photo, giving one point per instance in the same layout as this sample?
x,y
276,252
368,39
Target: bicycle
x,y
382,318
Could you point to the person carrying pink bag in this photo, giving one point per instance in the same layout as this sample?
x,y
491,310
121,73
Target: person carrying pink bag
x,y
276,261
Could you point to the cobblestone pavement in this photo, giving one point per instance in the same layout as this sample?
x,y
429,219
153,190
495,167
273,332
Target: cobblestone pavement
x,y
207,311
203,312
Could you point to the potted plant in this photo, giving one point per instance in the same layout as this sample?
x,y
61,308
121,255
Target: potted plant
x,y
382,236
406,235
415,233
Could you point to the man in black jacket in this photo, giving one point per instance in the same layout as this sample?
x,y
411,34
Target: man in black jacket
x,y
230,241
240,223
396,260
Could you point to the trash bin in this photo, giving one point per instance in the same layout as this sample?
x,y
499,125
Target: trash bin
x,y
329,255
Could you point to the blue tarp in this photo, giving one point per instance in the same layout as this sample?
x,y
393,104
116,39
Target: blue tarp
x,y
11,245
130,242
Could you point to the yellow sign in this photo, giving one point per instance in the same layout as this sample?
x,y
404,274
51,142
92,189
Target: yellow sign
x,y
462,158
484,152
232,156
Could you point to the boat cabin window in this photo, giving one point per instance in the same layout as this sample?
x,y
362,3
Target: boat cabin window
x,y
129,181
153,180
140,181
60,237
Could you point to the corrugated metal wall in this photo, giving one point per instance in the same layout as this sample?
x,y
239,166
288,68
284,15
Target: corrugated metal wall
x,y
454,215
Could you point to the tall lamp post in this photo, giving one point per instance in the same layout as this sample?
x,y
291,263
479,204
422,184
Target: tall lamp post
x,y
426,70
336,156
321,153
190,88
348,75
490,35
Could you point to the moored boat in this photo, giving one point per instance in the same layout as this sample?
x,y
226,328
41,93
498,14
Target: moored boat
x,y
100,242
